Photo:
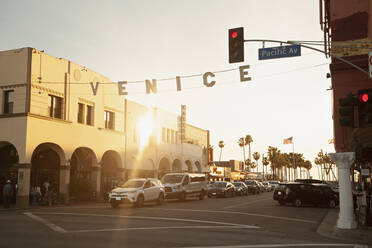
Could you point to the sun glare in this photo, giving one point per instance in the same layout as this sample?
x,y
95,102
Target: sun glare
x,y
145,129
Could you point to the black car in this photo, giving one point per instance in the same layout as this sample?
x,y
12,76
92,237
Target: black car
x,y
253,186
222,188
306,193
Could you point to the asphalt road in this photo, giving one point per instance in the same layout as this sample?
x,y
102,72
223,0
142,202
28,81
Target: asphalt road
x,y
243,221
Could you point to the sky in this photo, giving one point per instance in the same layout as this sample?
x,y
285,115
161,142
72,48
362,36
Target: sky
x,y
137,40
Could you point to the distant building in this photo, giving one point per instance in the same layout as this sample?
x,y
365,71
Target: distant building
x,y
226,170
66,124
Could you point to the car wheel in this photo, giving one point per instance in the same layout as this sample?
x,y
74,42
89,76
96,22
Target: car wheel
x,y
332,203
140,201
182,196
160,199
282,203
297,202
114,204
202,194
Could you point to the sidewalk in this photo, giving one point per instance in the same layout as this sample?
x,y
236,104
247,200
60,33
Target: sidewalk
x,y
329,229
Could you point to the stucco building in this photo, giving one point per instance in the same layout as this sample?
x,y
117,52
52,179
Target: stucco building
x,y
66,124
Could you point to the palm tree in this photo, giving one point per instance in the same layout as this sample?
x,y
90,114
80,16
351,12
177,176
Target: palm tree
x,y
221,145
274,159
248,163
265,163
247,141
330,163
241,144
256,157
253,165
319,160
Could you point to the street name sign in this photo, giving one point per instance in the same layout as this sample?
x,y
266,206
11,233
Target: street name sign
x,y
279,52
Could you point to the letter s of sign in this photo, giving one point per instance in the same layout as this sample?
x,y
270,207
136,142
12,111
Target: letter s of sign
x,y
205,79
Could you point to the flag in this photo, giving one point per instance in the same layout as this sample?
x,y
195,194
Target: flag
x,y
331,141
288,141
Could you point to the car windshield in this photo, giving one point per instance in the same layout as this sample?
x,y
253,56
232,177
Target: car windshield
x,y
237,184
172,179
281,187
249,182
132,184
220,184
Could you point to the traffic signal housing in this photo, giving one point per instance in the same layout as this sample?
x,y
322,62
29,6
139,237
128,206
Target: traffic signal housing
x,y
346,110
365,108
236,45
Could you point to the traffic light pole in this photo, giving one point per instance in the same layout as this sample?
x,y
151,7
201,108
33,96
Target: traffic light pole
x,y
312,48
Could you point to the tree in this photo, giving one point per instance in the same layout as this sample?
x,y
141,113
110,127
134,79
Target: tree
x,y
273,159
221,145
265,163
256,157
242,144
248,163
247,141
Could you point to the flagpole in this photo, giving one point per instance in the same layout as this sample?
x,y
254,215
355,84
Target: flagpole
x,y
294,161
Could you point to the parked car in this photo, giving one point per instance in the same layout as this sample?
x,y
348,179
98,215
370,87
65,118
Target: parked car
x,y
274,184
182,185
222,188
138,191
305,193
240,188
267,186
253,186
261,186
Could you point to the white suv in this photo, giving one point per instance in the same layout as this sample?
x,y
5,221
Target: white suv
x,y
181,185
138,191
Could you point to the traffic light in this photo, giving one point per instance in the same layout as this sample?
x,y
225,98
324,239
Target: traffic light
x,y
365,107
346,110
236,45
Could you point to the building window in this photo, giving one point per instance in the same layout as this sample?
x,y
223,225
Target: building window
x,y
176,138
8,101
163,135
135,135
90,114
55,106
172,137
81,113
109,118
168,136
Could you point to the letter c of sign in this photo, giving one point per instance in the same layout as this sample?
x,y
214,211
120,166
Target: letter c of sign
x,y
205,79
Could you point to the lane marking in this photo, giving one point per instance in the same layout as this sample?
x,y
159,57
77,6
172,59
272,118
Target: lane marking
x,y
240,213
45,222
158,228
281,245
151,218
246,203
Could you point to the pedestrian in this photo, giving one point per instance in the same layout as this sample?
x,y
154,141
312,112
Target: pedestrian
x,y
46,185
7,193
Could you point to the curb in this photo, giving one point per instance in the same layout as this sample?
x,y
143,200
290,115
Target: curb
x,y
328,228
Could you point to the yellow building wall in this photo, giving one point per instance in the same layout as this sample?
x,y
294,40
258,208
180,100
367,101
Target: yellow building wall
x,y
13,76
196,135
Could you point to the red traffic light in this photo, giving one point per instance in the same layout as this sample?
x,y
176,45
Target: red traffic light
x,y
234,34
363,97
